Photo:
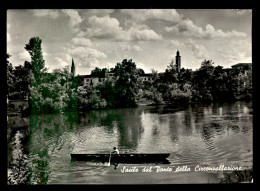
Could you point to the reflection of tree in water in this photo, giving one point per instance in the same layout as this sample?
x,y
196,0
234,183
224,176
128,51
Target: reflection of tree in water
x,y
39,167
208,136
54,125
127,121
18,169
188,121
173,131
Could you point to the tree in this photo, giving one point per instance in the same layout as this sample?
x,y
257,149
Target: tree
x,y
170,75
100,73
153,92
185,77
38,64
10,75
127,84
202,80
22,80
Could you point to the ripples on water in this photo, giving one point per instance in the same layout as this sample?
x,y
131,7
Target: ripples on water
x,y
205,135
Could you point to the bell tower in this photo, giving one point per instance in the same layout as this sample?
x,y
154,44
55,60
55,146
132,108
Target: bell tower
x,y
178,61
72,68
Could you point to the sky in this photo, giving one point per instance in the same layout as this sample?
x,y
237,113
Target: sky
x,y
150,37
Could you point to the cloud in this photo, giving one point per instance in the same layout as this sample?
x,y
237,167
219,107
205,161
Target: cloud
x,y
188,28
46,13
109,28
243,11
237,12
85,56
60,62
170,15
81,41
96,12
198,50
127,47
176,43
212,33
103,27
8,37
143,35
74,19
24,56
86,52
168,29
233,52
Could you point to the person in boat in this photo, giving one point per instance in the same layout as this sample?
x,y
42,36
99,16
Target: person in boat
x,y
115,151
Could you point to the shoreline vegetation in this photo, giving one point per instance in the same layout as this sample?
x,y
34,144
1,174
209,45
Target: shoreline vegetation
x,y
244,176
62,91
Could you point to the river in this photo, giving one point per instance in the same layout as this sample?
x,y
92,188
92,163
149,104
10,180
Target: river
x,y
195,136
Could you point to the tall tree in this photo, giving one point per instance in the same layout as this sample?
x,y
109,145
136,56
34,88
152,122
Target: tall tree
x,y
127,84
38,64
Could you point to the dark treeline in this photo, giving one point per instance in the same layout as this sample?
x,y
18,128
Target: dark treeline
x,y
60,91
207,84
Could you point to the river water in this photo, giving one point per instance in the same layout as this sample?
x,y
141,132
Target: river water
x,y
204,135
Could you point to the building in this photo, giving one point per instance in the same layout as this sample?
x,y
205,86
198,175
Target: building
x,y
94,81
178,62
243,67
146,78
91,81
109,75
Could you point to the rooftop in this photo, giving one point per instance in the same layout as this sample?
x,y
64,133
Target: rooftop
x,y
242,64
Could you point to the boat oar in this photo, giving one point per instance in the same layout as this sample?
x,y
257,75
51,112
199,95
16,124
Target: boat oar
x,y
109,160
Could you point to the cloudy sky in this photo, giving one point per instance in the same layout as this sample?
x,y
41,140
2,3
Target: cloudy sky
x,y
150,37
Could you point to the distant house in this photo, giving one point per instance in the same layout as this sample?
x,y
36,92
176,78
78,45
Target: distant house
x,y
146,78
90,80
243,67
109,75
93,81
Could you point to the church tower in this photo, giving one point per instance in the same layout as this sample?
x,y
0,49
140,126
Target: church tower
x,y
178,61
72,68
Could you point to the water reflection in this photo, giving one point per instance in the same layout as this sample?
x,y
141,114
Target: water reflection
x,y
209,134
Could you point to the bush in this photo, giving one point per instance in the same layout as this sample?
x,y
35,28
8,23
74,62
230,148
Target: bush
x,y
180,99
238,177
95,100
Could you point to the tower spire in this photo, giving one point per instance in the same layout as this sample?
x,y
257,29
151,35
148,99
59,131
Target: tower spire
x,y
178,61
72,68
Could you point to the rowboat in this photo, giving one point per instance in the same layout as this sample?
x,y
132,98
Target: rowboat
x,y
128,158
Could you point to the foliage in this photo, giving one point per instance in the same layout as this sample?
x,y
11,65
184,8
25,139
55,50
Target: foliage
x,y
37,61
59,92
18,172
21,82
238,177
96,101
83,96
127,84
100,73
108,92
56,93
9,75
153,94
50,92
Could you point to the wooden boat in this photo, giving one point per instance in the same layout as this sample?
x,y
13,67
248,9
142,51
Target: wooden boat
x,y
128,158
